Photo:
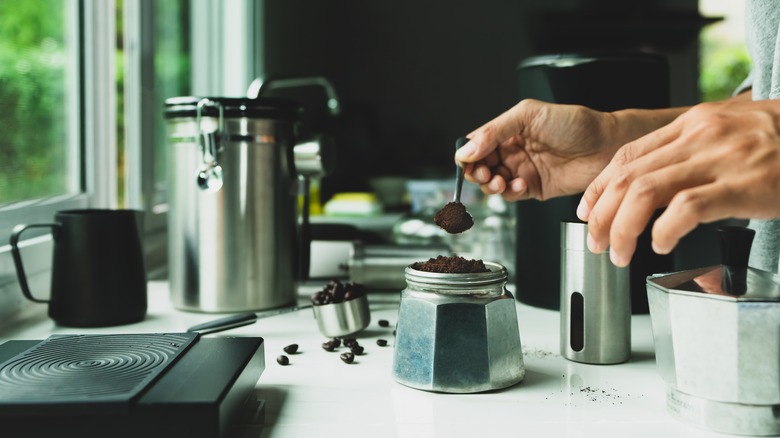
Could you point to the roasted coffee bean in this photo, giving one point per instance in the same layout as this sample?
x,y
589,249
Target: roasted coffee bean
x,y
357,349
350,342
347,357
336,342
291,349
381,342
355,290
329,345
321,298
283,360
338,292
384,323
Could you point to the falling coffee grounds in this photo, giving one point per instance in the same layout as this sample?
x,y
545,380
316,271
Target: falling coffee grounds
x,y
451,265
453,218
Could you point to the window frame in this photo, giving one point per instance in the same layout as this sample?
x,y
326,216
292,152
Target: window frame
x,y
227,56
92,140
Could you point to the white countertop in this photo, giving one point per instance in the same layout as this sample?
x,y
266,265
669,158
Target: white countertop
x,y
319,395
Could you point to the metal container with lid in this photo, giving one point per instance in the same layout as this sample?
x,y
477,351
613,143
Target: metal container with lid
x,y
717,340
457,333
232,239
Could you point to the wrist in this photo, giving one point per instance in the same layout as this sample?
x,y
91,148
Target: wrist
x,y
633,123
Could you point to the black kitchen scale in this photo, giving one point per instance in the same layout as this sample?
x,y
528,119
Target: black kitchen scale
x,y
131,385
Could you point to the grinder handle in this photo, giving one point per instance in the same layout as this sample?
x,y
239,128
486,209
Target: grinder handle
x,y
735,245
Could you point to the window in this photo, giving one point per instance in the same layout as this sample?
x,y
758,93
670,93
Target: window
x,y
41,169
38,49
175,48
725,62
82,85
56,82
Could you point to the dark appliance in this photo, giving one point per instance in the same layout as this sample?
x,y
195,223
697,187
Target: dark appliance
x,y
604,82
130,385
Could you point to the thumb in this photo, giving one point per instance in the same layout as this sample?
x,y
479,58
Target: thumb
x,y
488,137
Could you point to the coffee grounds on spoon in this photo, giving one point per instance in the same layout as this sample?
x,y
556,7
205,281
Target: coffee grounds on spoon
x,y
453,218
451,265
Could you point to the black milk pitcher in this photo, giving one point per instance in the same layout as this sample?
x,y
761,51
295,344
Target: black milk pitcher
x,y
98,276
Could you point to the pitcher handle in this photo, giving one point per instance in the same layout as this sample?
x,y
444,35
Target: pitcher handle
x,y
17,256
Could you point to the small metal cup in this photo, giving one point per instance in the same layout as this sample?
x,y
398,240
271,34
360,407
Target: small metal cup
x,y
595,302
342,319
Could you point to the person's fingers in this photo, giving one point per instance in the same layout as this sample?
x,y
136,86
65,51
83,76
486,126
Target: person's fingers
x,y
516,190
625,155
602,214
689,208
644,196
488,137
477,173
604,195
496,185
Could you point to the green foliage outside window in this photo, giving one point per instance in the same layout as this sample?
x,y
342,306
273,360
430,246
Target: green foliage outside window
x,y
33,99
724,65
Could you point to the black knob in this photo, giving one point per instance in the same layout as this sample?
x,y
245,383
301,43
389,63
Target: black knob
x,y
735,250
735,245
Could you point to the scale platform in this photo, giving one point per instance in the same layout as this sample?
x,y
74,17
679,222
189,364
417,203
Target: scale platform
x,y
131,385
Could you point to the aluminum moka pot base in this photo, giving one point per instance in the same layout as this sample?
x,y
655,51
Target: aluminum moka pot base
x,y
457,333
717,341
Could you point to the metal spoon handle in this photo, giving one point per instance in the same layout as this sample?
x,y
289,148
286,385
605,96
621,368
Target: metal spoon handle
x,y
240,320
459,170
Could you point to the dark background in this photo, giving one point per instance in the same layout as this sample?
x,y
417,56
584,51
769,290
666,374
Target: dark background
x,y
414,75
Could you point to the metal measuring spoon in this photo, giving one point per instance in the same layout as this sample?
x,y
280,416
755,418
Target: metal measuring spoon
x,y
453,217
209,177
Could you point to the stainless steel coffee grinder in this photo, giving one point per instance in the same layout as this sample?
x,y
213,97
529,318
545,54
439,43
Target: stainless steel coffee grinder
x,y
595,302
457,333
717,341
233,238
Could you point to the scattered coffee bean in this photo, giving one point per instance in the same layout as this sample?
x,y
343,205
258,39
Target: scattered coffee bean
x,y
329,345
357,349
291,349
347,357
350,342
384,323
283,360
381,342
336,342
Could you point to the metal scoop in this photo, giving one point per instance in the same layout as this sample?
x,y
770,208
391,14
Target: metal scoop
x,y
333,320
453,217
209,177
459,170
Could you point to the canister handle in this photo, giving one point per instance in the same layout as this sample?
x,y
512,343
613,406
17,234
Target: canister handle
x,y
209,176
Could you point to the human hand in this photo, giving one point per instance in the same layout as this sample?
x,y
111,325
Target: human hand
x,y
715,161
539,150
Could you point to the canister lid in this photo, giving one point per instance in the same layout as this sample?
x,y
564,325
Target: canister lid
x,y
233,107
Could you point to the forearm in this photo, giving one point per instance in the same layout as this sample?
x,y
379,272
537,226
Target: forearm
x,y
634,123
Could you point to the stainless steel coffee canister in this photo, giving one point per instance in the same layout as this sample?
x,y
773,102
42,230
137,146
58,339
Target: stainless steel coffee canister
x,y
232,203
